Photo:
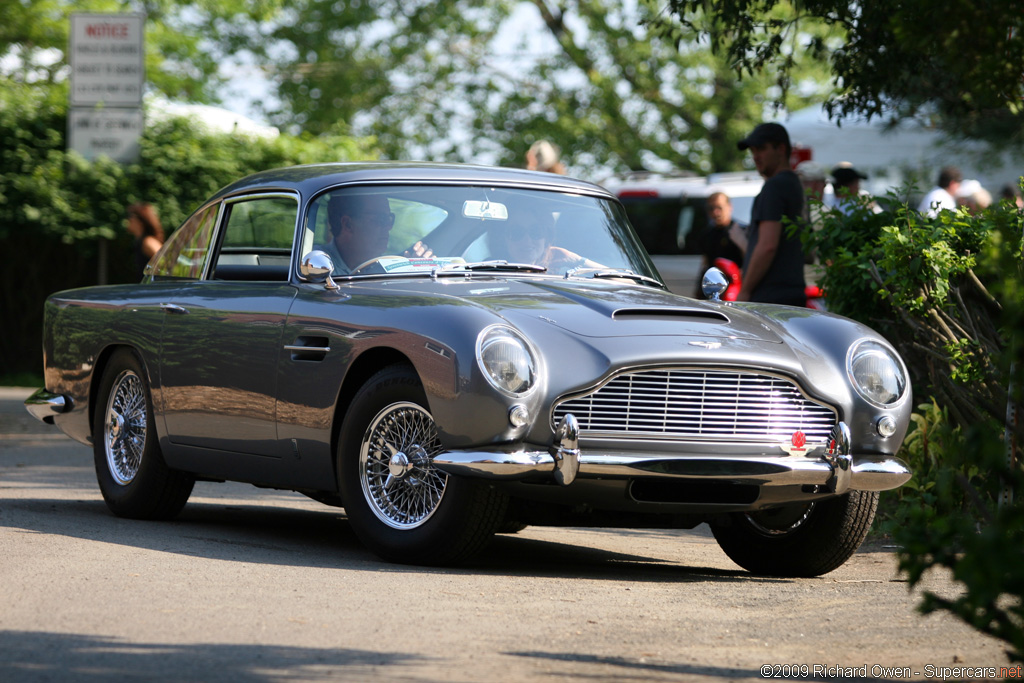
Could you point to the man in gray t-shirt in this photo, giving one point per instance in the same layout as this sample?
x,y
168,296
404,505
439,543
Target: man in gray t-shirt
x,y
773,269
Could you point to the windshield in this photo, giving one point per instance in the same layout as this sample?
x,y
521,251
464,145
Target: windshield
x,y
411,228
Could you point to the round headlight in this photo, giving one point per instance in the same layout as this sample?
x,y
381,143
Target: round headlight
x,y
506,360
876,372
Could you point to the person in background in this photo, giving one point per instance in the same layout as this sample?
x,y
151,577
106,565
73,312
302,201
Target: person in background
x,y
1012,194
773,268
143,224
813,178
723,238
846,185
973,196
943,195
543,156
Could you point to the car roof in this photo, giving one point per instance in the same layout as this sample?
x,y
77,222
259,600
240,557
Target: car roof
x,y
310,179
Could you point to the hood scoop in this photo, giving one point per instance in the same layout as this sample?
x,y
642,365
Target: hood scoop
x,y
659,321
671,314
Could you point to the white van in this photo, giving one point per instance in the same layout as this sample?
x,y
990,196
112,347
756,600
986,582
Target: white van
x,y
667,212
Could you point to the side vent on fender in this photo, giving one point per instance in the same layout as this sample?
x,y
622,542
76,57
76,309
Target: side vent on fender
x,y
309,348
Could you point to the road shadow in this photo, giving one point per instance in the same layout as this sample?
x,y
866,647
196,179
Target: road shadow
x,y
272,534
29,656
35,656
626,669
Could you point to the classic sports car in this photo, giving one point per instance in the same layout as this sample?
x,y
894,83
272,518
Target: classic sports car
x,y
511,357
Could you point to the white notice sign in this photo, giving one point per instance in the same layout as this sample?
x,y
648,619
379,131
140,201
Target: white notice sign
x,y
105,132
106,60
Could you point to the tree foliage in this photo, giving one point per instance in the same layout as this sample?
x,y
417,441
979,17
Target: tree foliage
x,y
948,292
430,80
185,42
56,207
959,62
922,282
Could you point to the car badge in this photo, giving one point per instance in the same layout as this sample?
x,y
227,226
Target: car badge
x,y
707,344
797,444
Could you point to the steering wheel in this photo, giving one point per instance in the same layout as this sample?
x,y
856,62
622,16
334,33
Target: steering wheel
x,y
367,264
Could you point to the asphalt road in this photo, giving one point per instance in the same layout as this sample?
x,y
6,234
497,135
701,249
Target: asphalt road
x,y
252,586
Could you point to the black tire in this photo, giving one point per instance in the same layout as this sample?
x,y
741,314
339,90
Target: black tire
x,y
799,540
133,477
511,526
399,505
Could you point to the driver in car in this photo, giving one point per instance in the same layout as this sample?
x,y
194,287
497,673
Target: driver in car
x,y
360,226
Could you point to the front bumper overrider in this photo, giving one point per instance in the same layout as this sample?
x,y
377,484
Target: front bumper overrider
x,y
837,470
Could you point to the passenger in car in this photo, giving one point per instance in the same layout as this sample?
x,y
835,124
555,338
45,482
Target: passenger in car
x,y
530,242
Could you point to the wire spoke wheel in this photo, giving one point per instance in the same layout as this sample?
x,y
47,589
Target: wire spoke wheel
x,y
124,427
399,481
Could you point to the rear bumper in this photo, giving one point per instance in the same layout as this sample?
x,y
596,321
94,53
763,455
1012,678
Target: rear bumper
x,y
44,405
836,471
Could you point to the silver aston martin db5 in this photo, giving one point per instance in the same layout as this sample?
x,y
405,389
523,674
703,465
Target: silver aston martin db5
x,y
450,352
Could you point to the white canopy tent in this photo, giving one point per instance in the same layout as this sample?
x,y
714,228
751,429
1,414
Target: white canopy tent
x,y
891,157
213,119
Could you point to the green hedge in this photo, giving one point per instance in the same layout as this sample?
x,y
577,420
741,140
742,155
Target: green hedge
x,y
56,209
948,292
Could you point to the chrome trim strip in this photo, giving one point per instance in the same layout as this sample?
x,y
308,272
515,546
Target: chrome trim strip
x,y
307,349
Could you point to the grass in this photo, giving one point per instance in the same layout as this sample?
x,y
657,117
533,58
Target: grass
x,y
21,379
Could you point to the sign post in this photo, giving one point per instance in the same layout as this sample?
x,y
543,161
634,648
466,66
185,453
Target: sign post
x,y
107,77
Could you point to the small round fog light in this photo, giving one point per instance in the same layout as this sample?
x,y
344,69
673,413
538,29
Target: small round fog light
x,y
886,426
519,416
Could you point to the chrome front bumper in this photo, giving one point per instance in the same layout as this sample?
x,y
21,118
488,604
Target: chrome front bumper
x,y
836,471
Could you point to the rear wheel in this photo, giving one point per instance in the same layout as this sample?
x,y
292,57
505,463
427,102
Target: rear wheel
x,y
133,477
799,540
400,506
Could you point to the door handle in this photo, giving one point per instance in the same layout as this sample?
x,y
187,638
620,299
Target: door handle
x,y
173,308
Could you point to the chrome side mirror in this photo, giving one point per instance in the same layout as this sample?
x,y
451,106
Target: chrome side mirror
x,y
316,267
714,284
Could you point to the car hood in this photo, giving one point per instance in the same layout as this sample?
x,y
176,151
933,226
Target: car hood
x,y
605,309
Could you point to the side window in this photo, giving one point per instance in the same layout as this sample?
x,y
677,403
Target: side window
x,y
257,241
184,254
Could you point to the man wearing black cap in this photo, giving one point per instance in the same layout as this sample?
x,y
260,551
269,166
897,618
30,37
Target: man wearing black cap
x,y
846,184
773,269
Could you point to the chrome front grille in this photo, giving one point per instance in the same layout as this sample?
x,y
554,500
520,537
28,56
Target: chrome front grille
x,y
699,404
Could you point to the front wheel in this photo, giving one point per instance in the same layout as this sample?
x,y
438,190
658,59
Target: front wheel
x,y
808,539
133,477
400,506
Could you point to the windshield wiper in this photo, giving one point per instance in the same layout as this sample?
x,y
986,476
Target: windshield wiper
x,y
627,274
496,265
